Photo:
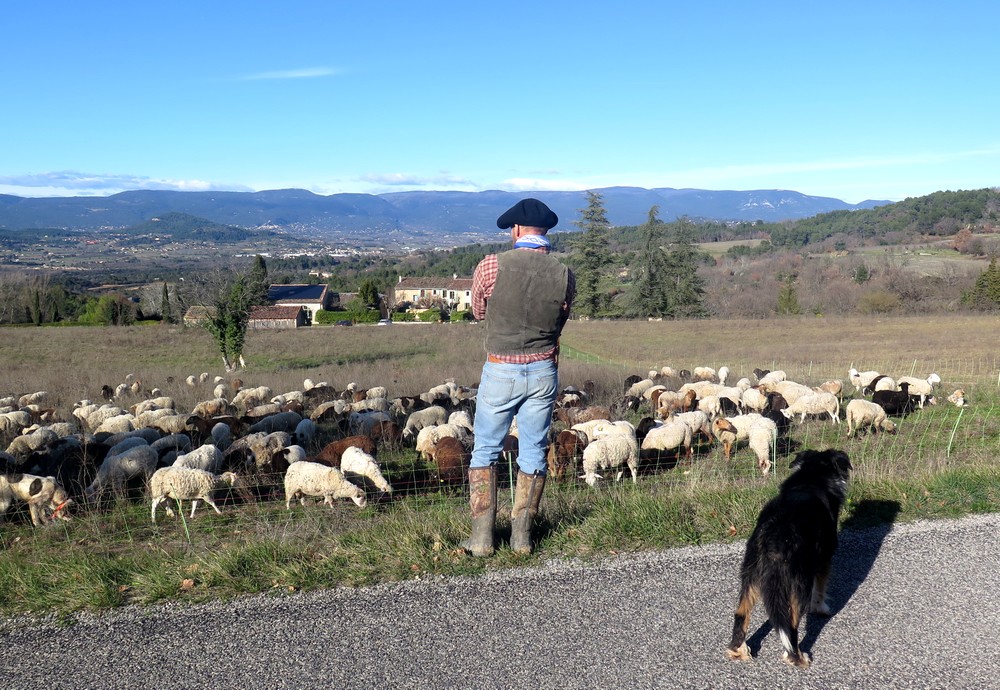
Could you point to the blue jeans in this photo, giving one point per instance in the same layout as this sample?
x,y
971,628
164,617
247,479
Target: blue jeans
x,y
505,390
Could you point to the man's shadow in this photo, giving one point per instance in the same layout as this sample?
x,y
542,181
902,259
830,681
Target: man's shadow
x,y
860,541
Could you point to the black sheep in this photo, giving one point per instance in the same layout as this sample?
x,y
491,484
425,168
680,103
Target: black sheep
x,y
897,403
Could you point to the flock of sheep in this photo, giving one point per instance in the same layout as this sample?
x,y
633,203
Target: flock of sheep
x,y
323,443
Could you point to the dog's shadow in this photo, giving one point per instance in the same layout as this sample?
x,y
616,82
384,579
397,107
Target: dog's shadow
x,y
861,538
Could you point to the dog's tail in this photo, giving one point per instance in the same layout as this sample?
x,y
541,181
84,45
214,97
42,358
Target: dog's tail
x,y
786,599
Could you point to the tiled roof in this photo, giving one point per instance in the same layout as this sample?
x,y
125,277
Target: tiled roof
x,y
274,313
296,293
434,284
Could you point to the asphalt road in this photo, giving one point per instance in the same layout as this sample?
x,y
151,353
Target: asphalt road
x,y
914,607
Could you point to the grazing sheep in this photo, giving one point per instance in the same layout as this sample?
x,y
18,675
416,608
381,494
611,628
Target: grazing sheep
x,y
430,435
206,457
835,386
118,424
429,416
25,444
214,408
362,423
896,402
760,433
332,452
921,387
40,493
463,419
861,379
451,458
116,470
610,452
248,398
814,404
866,414
704,374
290,454
752,399
181,483
789,390
313,479
283,421
566,447
771,377
222,435
672,402
697,421
355,461
305,432
669,436
578,415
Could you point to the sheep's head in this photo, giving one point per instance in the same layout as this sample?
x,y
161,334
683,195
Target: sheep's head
x,y
889,426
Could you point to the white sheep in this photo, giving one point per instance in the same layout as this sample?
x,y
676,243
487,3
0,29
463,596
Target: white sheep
x,y
723,374
957,398
752,399
771,377
671,435
22,446
355,461
816,403
313,479
181,483
610,452
704,374
248,398
362,423
463,419
696,420
206,457
116,470
861,379
863,413
922,387
429,416
789,390
119,424
760,432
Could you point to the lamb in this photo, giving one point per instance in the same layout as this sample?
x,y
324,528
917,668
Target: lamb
x,y
40,493
355,461
669,436
313,479
116,470
429,416
866,414
610,452
922,387
181,483
566,447
206,457
815,404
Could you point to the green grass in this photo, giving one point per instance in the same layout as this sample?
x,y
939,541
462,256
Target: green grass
x,y
941,464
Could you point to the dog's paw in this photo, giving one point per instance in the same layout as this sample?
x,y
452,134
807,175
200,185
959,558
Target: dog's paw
x,y
741,653
801,661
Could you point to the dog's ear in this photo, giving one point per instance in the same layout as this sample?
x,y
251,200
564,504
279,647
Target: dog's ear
x,y
841,460
802,457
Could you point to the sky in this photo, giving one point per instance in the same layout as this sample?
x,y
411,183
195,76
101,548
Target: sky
x,y
851,100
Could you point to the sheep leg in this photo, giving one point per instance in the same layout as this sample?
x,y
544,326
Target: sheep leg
x,y
194,506
212,503
36,514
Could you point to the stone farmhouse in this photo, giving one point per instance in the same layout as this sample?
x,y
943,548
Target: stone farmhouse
x,y
454,292
277,317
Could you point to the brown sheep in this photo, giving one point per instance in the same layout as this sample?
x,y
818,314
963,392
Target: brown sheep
x,y
386,433
575,415
566,447
451,459
331,452
672,405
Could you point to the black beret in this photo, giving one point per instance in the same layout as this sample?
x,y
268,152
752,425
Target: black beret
x,y
528,212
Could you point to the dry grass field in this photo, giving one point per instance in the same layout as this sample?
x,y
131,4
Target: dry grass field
x,y
942,461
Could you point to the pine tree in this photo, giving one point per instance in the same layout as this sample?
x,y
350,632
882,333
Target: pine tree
x,y
166,311
592,255
985,294
683,287
788,299
649,298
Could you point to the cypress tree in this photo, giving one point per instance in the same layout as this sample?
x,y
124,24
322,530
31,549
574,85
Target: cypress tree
x,y
592,255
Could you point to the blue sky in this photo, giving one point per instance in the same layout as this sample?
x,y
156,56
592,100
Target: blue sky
x,y
853,100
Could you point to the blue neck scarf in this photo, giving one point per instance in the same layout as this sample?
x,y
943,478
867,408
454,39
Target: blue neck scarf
x,y
533,242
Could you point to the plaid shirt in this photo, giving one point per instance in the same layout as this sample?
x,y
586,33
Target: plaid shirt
x,y
483,281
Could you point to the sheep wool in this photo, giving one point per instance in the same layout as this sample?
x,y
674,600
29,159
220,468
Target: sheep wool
x,y
356,461
180,483
610,452
305,479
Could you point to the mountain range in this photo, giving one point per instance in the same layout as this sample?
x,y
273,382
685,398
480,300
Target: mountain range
x,y
419,214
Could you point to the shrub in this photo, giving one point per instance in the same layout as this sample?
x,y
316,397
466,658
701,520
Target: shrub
x,y
430,315
456,315
401,316
328,317
878,302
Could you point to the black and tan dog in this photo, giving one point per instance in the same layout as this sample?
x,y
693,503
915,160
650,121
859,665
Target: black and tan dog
x,y
788,555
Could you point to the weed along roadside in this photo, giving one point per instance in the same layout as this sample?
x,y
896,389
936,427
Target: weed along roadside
x,y
939,463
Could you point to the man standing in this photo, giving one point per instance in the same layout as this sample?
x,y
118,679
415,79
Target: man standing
x,y
525,296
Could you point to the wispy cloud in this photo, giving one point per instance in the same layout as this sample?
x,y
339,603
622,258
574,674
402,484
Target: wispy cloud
x,y
527,184
90,184
447,181
307,73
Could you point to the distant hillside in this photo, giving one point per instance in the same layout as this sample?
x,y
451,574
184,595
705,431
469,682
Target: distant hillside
x,y
181,227
423,215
